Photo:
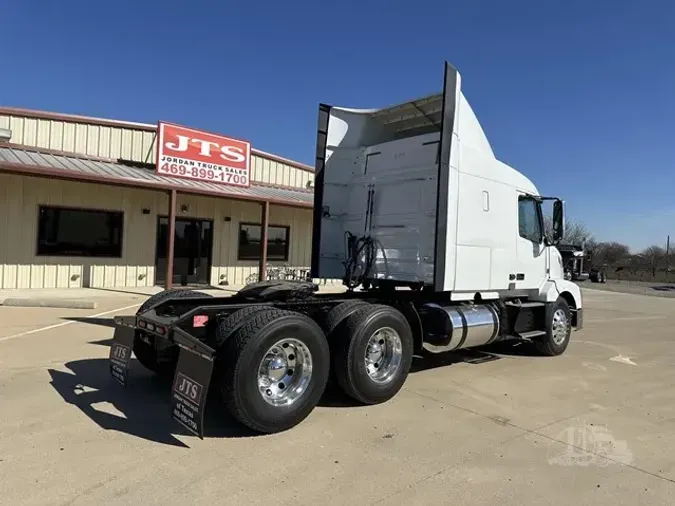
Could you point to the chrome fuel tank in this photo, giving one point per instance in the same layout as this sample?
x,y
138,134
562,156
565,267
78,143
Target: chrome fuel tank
x,y
448,328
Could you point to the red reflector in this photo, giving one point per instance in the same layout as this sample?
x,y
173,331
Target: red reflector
x,y
160,330
141,323
200,320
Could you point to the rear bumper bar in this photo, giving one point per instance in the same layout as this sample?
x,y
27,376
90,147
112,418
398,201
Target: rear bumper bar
x,y
192,344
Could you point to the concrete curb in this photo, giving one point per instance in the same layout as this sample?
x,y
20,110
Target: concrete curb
x,y
53,303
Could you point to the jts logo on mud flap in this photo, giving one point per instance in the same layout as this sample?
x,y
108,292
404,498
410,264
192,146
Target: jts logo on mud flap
x,y
119,351
188,388
120,356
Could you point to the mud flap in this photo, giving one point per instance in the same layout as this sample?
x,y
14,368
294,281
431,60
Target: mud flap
x,y
580,318
121,348
191,383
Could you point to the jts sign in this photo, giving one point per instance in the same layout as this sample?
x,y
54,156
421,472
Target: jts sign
x,y
193,154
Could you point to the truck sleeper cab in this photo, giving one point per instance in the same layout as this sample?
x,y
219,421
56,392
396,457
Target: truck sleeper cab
x,y
441,247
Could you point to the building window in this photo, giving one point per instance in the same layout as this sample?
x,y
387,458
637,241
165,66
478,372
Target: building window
x,y
529,222
79,232
277,242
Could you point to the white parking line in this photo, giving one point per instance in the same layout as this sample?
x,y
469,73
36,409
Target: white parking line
x,y
623,318
49,327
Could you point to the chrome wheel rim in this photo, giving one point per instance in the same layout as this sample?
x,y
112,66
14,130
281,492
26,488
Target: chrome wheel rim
x,y
559,326
285,372
384,353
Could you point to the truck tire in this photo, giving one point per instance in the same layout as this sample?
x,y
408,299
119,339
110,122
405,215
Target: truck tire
x,y
373,357
339,313
275,370
558,330
331,323
234,321
164,364
228,326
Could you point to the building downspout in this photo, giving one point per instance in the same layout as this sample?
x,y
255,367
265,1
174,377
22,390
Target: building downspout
x,y
262,269
173,197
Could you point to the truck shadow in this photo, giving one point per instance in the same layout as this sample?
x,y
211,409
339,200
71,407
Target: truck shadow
x,y
335,398
475,356
426,361
142,409
101,322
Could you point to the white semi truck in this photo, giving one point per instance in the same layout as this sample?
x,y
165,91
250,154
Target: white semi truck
x,y
441,247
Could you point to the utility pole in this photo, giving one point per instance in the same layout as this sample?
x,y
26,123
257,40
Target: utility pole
x,y
667,255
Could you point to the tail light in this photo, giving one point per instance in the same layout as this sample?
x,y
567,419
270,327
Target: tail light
x,y
200,320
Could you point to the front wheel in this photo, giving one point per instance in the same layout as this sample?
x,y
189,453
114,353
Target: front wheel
x,y
558,330
275,370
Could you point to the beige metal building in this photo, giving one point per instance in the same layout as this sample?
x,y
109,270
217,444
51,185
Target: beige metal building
x,y
81,206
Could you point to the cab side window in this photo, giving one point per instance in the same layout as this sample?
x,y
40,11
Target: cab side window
x,y
528,219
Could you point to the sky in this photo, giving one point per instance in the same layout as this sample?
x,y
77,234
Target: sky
x,y
577,95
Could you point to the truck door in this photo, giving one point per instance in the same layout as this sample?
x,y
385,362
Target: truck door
x,y
531,250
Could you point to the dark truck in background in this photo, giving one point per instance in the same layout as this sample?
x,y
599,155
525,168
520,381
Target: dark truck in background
x,y
575,258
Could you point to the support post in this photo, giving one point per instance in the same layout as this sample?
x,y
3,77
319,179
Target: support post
x,y
173,196
262,269
668,257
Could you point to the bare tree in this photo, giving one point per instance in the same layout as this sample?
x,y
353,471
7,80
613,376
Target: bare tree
x,y
575,232
612,254
652,258
654,253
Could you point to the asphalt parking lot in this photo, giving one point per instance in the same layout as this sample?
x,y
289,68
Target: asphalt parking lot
x,y
594,426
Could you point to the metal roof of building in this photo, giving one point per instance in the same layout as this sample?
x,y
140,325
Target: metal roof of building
x,y
39,163
18,112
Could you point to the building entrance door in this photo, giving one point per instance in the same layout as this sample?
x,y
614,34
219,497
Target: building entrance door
x,y
193,246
